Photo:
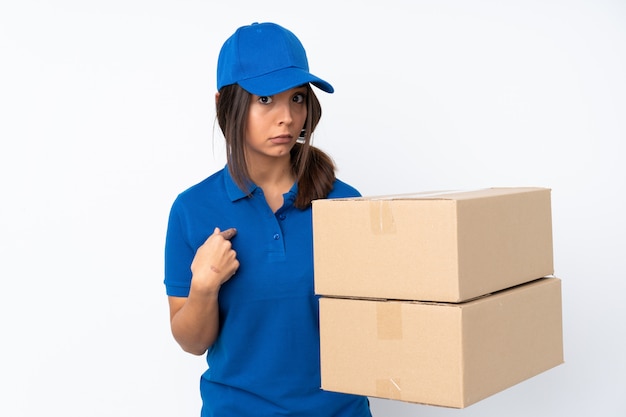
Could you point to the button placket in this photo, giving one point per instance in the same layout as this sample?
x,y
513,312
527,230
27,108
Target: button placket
x,y
279,218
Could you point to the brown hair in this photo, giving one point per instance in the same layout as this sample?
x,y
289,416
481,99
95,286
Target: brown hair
x,y
314,170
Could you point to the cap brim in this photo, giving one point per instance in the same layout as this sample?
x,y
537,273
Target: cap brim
x,y
282,80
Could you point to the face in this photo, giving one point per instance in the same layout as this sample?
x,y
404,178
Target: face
x,y
275,122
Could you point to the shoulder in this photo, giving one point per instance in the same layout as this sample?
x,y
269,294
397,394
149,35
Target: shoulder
x,y
207,189
343,190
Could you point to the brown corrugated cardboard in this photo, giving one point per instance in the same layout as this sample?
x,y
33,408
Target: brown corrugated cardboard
x,y
450,355
445,247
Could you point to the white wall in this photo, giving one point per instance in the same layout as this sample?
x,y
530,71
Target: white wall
x,y
106,112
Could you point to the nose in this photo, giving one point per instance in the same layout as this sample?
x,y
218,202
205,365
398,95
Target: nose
x,y
285,116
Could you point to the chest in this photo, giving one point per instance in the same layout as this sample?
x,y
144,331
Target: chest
x,y
275,250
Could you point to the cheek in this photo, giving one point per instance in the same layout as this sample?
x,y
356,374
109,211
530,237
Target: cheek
x,y
254,122
301,117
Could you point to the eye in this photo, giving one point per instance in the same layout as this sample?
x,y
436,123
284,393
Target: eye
x,y
299,98
265,99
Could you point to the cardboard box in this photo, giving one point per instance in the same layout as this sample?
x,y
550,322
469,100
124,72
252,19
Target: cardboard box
x,y
435,247
450,355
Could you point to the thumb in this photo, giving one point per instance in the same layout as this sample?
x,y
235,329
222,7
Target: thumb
x,y
229,233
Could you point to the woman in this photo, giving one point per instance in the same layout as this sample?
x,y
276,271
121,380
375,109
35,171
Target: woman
x,y
239,256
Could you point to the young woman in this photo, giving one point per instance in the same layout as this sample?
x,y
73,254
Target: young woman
x,y
239,256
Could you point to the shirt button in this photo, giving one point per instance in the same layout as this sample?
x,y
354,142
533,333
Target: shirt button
x,y
276,236
282,217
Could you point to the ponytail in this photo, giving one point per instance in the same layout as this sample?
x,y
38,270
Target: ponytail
x,y
315,171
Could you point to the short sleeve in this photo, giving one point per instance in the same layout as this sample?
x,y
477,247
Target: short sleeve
x,y
178,253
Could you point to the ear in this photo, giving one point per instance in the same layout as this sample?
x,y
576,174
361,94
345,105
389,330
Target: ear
x,y
217,97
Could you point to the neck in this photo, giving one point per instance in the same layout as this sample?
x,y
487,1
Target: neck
x,y
274,179
271,171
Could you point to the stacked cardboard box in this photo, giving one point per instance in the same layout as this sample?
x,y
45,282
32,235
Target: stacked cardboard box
x,y
437,298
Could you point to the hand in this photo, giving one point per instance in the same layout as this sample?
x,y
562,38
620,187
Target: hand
x,y
215,262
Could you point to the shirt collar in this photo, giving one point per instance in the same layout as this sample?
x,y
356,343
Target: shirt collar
x,y
290,197
235,193
232,189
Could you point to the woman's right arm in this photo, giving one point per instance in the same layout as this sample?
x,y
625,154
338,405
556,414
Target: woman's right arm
x,y
194,319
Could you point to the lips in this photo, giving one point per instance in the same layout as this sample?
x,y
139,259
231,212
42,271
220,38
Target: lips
x,y
281,139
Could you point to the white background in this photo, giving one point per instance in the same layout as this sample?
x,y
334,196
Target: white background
x,y
106,113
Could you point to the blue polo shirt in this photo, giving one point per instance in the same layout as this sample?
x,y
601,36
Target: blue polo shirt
x,y
265,361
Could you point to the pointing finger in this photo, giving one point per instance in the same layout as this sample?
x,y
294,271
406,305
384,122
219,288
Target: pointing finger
x,y
229,233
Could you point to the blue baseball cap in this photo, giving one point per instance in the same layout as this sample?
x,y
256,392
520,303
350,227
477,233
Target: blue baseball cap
x,y
265,59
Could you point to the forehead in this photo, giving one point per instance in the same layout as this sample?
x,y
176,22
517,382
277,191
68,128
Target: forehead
x,y
300,89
